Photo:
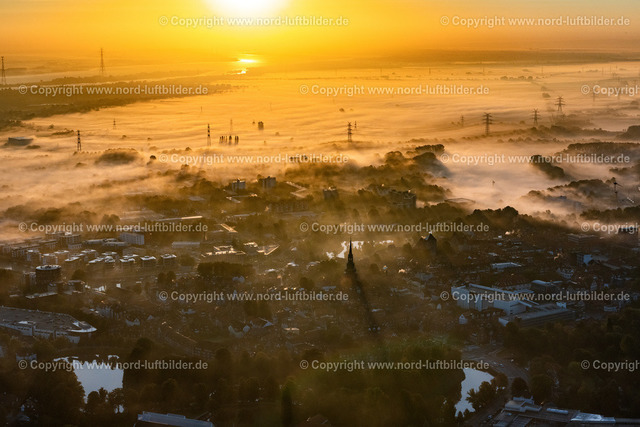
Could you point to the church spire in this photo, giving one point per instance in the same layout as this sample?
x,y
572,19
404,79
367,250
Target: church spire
x,y
351,267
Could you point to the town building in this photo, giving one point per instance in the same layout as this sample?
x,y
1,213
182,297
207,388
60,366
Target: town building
x,y
136,239
147,419
44,324
523,412
238,185
267,183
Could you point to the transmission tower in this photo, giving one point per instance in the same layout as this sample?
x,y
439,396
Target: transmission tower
x,y
3,77
462,121
208,135
349,133
79,147
615,189
488,120
101,62
560,103
535,117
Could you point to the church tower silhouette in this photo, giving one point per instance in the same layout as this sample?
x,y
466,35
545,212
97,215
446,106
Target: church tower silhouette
x,y
352,277
351,267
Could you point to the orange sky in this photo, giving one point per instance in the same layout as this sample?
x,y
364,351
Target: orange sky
x,y
133,29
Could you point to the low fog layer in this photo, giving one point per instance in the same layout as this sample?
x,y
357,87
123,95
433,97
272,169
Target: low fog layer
x,y
307,113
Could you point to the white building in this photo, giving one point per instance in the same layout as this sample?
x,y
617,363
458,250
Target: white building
x,y
501,266
480,298
133,238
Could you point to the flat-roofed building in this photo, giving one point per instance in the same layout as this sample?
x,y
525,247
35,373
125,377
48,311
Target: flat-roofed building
x,y
132,238
44,324
501,266
541,314
155,419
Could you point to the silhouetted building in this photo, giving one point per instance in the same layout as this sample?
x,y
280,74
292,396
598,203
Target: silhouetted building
x,y
582,240
330,193
402,199
19,141
238,185
351,267
427,247
399,199
267,183
289,206
48,274
352,277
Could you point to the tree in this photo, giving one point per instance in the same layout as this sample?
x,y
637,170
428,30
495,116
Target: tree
x,y
97,408
116,399
519,387
286,405
541,387
200,394
205,269
57,398
500,381
249,390
186,260
270,389
306,283
483,397
162,278
169,390
79,275
171,277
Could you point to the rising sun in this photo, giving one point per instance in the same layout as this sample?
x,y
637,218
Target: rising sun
x,y
256,8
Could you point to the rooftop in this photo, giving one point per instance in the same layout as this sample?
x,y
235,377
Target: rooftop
x,y
152,418
43,320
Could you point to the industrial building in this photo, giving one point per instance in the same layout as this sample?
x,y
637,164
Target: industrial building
x,y
155,419
19,141
542,314
477,297
44,324
522,412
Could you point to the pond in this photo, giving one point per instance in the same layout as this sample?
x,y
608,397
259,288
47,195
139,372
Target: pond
x,y
96,374
472,380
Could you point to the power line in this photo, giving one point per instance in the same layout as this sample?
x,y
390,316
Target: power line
x,y
488,120
101,62
615,190
3,77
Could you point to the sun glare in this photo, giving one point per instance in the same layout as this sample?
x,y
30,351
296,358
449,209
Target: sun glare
x,y
239,8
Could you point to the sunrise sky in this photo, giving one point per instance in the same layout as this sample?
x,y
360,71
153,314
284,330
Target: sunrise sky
x,y
133,29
